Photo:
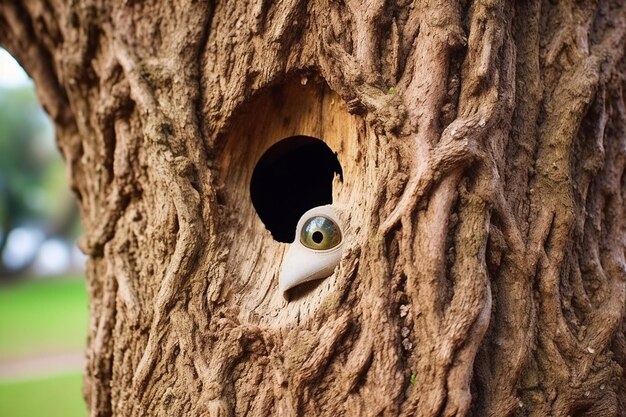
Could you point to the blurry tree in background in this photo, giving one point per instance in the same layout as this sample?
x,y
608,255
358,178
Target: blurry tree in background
x,y
38,217
43,324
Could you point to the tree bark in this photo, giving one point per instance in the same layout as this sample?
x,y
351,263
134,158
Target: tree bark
x,y
483,145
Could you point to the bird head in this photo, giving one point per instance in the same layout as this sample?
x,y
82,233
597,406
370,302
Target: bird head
x,y
316,249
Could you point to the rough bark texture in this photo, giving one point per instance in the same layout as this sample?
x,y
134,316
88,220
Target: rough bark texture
x,y
483,145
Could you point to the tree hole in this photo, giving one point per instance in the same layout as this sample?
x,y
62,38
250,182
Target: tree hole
x,y
293,176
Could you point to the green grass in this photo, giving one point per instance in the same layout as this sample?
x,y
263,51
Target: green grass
x,y
43,397
41,316
38,317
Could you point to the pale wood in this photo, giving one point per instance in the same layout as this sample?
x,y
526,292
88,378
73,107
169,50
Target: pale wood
x,y
302,106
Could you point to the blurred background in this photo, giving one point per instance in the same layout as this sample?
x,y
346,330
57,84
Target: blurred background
x,y
43,302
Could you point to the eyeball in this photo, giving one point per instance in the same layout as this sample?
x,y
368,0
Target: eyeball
x,y
316,251
320,233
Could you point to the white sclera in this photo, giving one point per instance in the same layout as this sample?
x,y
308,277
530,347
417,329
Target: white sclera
x,y
302,264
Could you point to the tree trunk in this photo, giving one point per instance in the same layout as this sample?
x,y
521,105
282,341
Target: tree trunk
x,y
482,145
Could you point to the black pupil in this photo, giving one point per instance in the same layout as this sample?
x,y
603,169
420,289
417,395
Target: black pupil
x,y
317,237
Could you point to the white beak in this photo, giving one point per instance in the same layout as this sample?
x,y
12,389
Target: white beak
x,y
302,264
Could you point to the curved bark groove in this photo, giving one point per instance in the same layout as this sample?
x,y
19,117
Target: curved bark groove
x,y
482,146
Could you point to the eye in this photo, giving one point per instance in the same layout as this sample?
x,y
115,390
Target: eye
x,y
320,233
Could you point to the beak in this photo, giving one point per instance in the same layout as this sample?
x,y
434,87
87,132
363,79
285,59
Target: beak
x,y
302,264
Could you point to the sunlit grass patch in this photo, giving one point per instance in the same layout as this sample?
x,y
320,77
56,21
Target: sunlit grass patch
x,y
56,396
39,316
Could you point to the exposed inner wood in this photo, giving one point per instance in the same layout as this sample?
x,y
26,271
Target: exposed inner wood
x,y
300,106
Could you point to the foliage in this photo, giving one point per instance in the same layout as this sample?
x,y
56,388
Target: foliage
x,y
29,173
33,188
